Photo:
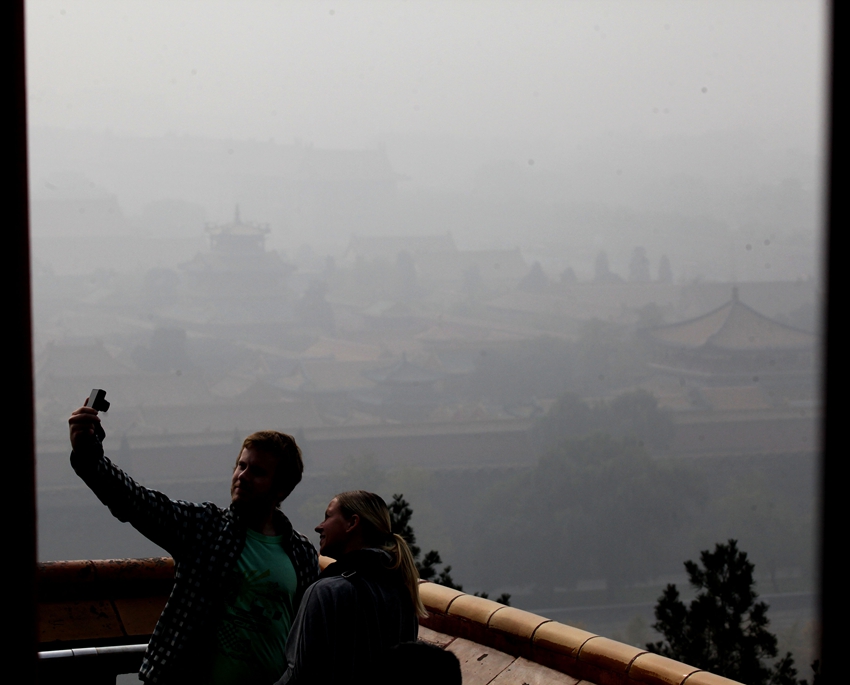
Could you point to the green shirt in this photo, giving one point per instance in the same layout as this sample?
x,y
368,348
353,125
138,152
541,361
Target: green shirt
x,y
251,638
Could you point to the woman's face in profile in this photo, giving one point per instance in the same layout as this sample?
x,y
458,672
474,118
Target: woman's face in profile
x,y
334,531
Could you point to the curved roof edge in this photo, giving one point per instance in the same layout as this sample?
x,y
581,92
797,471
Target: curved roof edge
x,y
135,590
732,326
563,648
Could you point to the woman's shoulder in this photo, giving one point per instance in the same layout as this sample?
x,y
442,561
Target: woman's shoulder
x,y
330,587
367,562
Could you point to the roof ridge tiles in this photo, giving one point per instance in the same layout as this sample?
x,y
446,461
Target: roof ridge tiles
x,y
135,592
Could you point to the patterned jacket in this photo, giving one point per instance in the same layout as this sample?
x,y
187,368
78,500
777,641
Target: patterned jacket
x,y
206,542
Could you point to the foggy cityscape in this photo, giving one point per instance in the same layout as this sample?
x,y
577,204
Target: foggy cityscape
x,y
551,270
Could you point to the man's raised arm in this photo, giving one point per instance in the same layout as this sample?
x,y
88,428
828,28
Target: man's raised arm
x,y
152,513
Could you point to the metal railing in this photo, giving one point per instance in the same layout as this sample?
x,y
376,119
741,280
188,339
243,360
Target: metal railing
x,y
94,665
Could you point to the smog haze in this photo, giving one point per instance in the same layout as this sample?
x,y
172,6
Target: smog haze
x,y
549,269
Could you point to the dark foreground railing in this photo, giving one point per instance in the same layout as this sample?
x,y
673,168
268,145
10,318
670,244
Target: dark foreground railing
x,y
94,665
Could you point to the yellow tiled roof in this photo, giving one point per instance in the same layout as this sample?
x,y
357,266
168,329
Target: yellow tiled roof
x,y
118,601
734,326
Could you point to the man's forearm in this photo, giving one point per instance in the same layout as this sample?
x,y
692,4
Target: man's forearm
x,y
151,512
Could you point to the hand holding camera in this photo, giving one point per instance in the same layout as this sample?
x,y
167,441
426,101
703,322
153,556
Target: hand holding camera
x,y
84,424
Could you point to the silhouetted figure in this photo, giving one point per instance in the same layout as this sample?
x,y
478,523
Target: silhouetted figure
x,y
240,572
363,604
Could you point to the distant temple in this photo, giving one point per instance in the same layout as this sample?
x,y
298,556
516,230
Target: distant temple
x,y
237,237
238,263
735,347
733,339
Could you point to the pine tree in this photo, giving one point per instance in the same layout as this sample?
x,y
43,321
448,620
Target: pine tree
x,y
724,629
400,515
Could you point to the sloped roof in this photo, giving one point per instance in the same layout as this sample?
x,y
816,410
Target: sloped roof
x,y
388,247
734,327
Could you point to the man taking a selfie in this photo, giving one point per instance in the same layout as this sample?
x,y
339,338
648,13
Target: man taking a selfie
x,y
239,572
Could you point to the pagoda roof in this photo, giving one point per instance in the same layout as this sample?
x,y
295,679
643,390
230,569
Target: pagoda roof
x,y
734,327
237,227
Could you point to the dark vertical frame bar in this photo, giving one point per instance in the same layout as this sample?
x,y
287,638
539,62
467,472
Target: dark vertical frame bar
x,y
20,544
833,531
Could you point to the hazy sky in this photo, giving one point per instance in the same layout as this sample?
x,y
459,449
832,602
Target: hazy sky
x,y
350,74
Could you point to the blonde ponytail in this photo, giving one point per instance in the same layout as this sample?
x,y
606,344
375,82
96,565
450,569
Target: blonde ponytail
x,y
377,527
403,560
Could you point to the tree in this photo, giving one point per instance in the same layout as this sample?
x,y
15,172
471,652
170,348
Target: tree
x,y
633,414
724,629
400,515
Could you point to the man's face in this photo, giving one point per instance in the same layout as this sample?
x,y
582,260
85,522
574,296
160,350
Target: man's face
x,y
333,531
252,484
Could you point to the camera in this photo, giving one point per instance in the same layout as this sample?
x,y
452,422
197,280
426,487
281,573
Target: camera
x,y
98,402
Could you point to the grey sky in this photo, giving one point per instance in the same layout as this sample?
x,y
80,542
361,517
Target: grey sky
x,y
349,74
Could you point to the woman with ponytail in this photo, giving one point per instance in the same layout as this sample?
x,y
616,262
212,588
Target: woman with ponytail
x,y
363,604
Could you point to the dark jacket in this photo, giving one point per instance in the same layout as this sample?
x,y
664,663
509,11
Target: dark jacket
x,y
352,615
206,542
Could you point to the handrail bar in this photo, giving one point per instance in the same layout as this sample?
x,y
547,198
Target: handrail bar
x,y
88,652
